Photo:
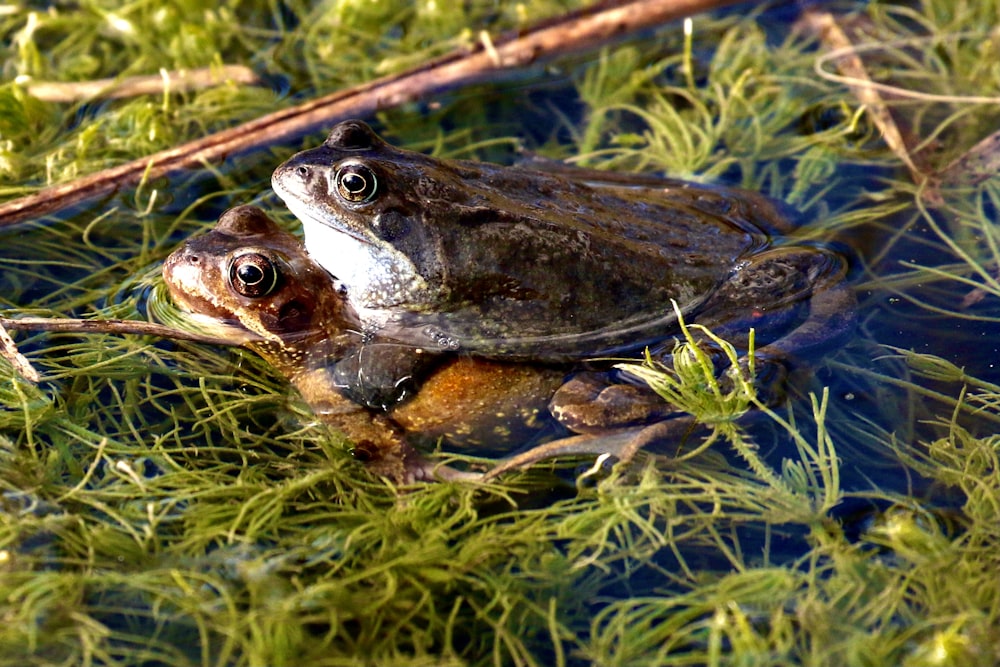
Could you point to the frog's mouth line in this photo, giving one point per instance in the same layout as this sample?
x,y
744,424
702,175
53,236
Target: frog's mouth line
x,y
230,329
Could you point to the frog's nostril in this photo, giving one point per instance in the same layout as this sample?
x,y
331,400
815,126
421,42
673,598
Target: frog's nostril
x,y
302,171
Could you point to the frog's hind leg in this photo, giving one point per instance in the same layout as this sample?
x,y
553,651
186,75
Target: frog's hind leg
x,y
832,318
832,303
769,294
622,444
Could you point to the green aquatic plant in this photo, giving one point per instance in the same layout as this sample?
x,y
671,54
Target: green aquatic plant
x,y
692,384
895,594
172,503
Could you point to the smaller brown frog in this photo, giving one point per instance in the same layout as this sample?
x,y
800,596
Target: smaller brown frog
x,y
248,274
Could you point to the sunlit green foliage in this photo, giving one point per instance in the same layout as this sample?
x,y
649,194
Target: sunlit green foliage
x,y
167,503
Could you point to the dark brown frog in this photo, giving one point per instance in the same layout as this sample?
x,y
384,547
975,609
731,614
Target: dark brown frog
x,y
515,263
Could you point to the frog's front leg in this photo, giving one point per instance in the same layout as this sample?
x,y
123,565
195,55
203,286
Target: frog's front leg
x,y
378,442
381,375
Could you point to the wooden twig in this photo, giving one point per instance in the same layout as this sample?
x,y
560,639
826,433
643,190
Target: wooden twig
x,y
571,33
175,81
851,66
9,351
978,164
238,336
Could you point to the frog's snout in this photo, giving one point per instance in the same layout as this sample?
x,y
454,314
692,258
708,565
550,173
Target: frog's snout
x,y
182,273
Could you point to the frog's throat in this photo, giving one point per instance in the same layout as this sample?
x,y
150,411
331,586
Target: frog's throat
x,y
375,276
307,216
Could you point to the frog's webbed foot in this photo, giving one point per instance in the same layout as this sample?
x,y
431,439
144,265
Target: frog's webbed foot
x,y
622,444
831,319
618,444
832,316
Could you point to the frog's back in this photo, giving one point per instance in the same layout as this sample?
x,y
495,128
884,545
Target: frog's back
x,y
547,267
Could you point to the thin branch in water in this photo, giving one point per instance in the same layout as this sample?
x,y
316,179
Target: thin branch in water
x,y
897,91
9,351
238,336
574,32
979,163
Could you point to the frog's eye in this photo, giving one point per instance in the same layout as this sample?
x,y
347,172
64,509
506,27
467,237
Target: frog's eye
x,y
253,275
356,183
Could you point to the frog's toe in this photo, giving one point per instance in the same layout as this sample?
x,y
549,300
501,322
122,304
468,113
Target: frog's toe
x,y
615,443
622,445
424,470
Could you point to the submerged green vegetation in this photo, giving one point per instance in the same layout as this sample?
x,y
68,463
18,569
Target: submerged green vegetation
x,y
171,503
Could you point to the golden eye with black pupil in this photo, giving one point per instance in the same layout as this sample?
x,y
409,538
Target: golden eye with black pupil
x,y
356,183
253,275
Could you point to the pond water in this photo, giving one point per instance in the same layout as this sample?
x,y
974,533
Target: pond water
x,y
178,503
